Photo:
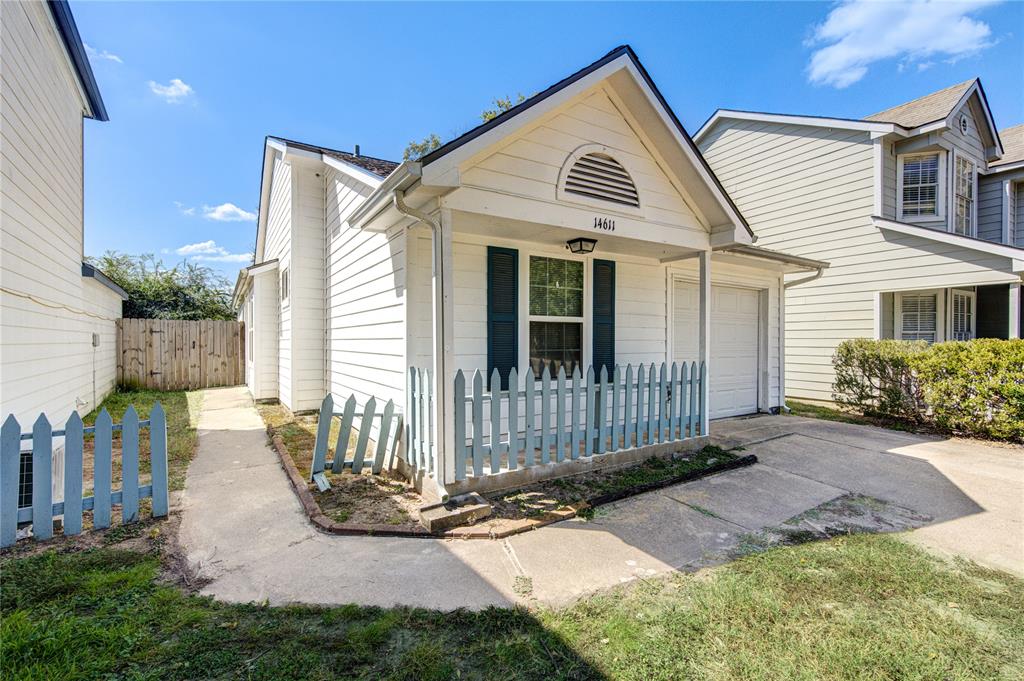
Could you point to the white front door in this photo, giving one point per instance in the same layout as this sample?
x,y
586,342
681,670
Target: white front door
x,y
735,330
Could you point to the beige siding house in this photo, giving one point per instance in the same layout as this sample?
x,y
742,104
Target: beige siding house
x,y
580,229
57,314
913,207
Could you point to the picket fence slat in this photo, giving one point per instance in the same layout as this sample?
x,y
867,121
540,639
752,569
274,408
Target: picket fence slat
x,y
42,510
609,412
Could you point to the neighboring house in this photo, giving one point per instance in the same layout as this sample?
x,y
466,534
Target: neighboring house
x,y
461,260
914,207
57,313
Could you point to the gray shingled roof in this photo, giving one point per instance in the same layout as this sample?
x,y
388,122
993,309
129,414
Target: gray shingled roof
x,y
927,109
1013,146
377,166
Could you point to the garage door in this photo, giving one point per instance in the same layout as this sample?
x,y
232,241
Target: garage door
x,y
734,343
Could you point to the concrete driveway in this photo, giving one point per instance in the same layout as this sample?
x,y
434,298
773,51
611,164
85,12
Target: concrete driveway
x,y
244,531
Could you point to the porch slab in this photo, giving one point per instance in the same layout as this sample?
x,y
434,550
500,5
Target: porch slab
x,y
754,497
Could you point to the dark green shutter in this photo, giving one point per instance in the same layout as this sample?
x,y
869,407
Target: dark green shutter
x,y
604,316
502,311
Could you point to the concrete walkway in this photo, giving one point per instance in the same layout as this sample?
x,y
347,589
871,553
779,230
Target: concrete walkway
x,y
243,529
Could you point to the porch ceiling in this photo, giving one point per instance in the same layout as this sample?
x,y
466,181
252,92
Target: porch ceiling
x,y
552,235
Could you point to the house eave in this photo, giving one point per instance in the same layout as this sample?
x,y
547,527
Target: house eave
x,y
91,272
1012,253
797,119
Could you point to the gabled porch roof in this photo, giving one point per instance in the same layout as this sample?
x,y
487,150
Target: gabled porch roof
x,y
1014,254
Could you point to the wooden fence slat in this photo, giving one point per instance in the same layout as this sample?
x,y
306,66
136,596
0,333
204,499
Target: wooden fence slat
x,y
545,415
158,459
478,423
130,466
513,419
530,413
628,427
662,403
101,475
73,441
414,409
601,410
652,391
460,425
369,409
693,399
323,430
641,392
42,471
683,392
344,435
703,407
495,420
10,477
382,438
560,415
616,428
428,420
588,445
574,435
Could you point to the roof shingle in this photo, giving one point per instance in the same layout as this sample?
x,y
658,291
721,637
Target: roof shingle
x,y
1013,146
927,109
377,166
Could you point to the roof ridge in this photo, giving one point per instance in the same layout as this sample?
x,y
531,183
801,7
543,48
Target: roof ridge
x,y
330,149
964,86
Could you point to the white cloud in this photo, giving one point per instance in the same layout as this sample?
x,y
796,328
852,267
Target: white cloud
x,y
227,212
101,54
209,251
173,92
185,210
858,33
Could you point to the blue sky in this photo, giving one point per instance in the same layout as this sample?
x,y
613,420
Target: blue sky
x,y
193,88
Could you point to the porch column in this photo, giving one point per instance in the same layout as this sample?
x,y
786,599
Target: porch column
x,y
1014,312
705,336
443,351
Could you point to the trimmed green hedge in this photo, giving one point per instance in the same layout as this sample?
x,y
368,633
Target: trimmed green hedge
x,y
972,388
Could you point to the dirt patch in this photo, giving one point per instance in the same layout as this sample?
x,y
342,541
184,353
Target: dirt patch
x,y
367,499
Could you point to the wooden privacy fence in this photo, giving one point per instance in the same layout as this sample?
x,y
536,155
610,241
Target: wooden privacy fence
x,y
26,491
180,354
362,423
551,420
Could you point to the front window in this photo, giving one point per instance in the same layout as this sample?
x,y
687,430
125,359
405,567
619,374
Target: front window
x,y
964,220
921,186
556,314
962,315
917,316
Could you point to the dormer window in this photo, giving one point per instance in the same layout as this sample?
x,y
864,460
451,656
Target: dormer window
x,y
921,184
599,176
963,220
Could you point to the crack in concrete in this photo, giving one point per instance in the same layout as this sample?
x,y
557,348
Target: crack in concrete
x,y
704,511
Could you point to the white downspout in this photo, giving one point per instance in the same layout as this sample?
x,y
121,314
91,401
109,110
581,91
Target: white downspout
x,y
440,368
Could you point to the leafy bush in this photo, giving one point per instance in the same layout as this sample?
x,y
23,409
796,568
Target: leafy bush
x,y
975,387
970,387
875,377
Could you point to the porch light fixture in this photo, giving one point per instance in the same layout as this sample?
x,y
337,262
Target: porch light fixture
x,y
581,245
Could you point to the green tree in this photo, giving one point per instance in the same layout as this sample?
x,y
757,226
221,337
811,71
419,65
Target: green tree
x,y
185,291
417,150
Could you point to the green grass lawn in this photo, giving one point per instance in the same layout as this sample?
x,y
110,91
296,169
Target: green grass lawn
x,y
182,410
860,607
819,411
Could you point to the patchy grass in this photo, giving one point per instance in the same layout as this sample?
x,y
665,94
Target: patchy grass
x,y
182,410
365,499
818,411
865,606
544,497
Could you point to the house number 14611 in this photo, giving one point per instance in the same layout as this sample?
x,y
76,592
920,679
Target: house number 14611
x,y
606,224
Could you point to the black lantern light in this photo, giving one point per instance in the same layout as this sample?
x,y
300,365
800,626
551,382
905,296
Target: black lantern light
x,y
581,245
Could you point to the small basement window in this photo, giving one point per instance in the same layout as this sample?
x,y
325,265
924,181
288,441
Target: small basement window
x,y
599,176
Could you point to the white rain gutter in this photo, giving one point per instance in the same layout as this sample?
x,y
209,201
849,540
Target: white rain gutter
x,y
440,370
782,320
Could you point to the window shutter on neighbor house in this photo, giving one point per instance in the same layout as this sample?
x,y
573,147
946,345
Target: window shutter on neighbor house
x,y
502,312
604,317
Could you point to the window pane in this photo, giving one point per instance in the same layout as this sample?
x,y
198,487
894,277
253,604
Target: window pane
x,y
556,287
555,345
920,185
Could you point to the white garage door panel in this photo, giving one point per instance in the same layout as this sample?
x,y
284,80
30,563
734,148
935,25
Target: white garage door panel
x,y
734,335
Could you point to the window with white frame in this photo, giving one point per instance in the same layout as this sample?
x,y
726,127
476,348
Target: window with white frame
x,y
961,315
556,314
920,186
917,316
285,277
963,219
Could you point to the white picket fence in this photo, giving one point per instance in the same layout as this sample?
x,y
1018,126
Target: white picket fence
x,y
552,420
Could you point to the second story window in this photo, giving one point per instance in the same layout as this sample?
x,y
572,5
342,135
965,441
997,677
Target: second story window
x,y
920,180
963,219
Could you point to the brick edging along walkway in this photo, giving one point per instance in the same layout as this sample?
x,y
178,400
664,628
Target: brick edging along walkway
x,y
325,524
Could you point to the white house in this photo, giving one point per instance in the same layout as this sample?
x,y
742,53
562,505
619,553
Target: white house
x,y
462,260
57,313
915,208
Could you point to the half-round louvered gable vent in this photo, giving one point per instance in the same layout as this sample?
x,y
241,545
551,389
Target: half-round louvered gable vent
x,y
600,176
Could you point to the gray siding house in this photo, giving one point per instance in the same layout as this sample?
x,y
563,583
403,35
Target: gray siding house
x,y
915,207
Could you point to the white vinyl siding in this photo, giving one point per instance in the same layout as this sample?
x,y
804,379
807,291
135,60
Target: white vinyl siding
x,y
1017,215
306,287
990,209
279,247
48,363
366,336
810,191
